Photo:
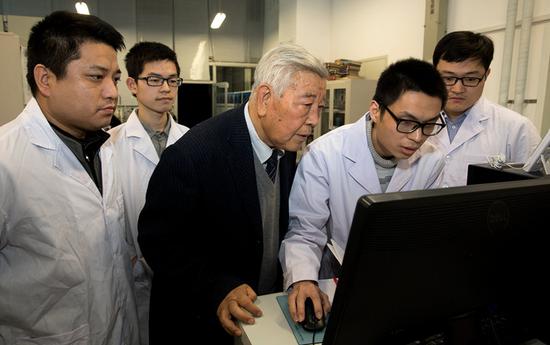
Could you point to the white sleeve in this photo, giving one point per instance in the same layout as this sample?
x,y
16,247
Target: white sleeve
x,y
302,248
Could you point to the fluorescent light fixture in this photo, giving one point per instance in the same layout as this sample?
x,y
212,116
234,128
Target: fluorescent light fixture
x,y
218,20
81,7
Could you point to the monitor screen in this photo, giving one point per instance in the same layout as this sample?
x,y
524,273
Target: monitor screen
x,y
462,265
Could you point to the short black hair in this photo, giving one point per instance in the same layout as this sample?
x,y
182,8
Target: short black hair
x,y
460,46
144,52
55,41
409,75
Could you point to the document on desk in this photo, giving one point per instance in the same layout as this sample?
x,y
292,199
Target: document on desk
x,y
302,336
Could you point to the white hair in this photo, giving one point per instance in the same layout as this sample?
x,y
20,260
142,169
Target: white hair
x,y
278,66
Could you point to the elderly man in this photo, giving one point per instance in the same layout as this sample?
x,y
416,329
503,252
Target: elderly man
x,y
217,204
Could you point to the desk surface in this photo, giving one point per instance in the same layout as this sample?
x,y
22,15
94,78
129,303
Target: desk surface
x,y
272,328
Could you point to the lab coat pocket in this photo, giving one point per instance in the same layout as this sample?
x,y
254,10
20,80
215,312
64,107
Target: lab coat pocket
x,y
79,336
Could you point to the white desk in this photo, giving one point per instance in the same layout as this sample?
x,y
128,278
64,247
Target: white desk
x,y
272,328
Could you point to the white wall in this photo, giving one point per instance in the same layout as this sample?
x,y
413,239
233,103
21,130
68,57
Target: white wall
x,y
12,78
313,27
363,29
489,17
287,20
354,29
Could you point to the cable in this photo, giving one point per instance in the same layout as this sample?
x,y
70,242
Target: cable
x,y
313,337
499,162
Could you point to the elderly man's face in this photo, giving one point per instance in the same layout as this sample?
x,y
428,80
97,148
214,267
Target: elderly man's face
x,y
85,98
290,118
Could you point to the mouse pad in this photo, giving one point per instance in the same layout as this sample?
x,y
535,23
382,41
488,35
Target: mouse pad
x,y
302,336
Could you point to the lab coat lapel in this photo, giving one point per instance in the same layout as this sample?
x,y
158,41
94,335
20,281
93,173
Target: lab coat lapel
x,y
69,165
142,142
361,168
175,132
473,124
42,135
106,154
403,173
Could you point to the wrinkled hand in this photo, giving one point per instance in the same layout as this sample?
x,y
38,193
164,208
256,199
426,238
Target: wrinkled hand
x,y
239,305
302,290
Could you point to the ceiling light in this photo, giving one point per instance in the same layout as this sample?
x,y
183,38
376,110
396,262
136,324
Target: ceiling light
x,y
81,7
218,20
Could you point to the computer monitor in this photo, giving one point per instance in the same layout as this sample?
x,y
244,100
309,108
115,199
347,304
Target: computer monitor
x,y
463,265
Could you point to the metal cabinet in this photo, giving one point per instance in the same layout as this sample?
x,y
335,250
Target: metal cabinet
x,y
12,95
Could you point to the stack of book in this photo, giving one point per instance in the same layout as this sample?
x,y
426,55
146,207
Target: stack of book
x,y
341,68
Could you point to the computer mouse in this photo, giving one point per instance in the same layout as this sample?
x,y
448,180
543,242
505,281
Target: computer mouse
x,y
311,323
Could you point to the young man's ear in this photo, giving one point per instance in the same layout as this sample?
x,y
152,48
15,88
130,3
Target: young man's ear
x,y
43,78
132,85
375,111
264,94
487,73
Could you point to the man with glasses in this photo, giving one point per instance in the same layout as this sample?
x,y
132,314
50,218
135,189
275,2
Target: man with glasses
x,y
384,151
476,127
153,78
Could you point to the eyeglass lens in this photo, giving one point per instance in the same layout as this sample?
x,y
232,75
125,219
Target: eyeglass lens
x,y
407,126
466,81
157,81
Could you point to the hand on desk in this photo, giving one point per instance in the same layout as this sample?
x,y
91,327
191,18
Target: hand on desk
x,y
302,290
239,305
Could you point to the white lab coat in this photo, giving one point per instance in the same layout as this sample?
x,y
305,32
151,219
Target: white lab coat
x,y
488,130
135,161
333,174
65,271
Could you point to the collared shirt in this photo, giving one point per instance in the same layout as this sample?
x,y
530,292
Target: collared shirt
x,y
261,149
159,138
454,125
86,151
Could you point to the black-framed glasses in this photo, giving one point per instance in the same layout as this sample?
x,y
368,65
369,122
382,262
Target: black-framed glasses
x,y
158,81
409,126
466,81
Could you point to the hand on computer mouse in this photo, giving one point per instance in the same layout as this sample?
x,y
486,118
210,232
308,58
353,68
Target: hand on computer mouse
x,y
297,296
311,322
